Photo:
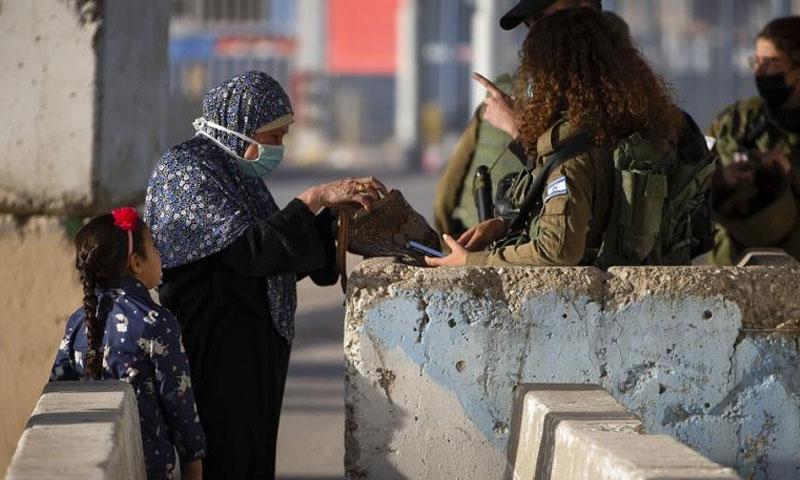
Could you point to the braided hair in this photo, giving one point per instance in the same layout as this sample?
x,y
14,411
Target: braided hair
x,y
101,255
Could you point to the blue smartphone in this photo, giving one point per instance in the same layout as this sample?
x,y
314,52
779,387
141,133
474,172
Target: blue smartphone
x,y
418,247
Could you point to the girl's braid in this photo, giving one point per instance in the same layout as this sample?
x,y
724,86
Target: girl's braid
x,y
95,327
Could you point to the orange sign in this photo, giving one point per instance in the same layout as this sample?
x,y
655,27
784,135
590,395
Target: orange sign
x,y
362,37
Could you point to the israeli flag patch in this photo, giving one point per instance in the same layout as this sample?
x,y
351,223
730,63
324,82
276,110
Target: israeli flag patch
x,y
556,188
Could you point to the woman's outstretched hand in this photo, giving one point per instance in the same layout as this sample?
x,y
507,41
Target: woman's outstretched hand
x,y
457,257
345,192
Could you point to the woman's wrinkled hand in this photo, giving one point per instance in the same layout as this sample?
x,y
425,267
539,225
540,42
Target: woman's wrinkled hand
x,y
348,191
481,235
499,107
457,257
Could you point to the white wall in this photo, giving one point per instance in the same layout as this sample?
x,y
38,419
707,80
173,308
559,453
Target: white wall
x,y
83,102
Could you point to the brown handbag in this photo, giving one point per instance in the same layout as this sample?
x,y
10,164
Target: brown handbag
x,y
384,231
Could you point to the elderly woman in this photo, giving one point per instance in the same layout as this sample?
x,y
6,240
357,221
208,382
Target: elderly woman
x,y
232,259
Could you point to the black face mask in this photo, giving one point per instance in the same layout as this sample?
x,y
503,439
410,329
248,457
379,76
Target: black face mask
x,y
773,89
788,119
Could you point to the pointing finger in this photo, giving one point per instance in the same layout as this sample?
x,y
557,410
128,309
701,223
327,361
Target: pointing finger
x,y
487,84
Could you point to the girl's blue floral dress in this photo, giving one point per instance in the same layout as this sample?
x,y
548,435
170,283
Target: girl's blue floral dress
x,y
142,346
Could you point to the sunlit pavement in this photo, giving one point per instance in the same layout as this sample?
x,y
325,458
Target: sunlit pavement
x,y
311,438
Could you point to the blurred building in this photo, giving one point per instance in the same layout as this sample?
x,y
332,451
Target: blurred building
x,y
211,40
340,60
385,83
702,46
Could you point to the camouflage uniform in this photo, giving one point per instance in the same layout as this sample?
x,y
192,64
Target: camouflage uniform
x,y
749,215
480,144
577,204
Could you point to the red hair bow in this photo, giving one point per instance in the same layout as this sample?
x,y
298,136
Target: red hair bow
x,y
125,218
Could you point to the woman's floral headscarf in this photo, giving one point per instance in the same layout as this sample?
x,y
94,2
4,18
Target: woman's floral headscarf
x,y
198,203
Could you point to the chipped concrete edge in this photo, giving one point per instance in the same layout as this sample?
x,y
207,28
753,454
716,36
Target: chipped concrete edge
x,y
752,289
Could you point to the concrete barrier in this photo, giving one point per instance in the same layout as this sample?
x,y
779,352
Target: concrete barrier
x,y
83,89
708,356
81,430
575,432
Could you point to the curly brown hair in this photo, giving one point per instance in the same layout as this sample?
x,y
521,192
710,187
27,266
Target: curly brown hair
x,y
578,64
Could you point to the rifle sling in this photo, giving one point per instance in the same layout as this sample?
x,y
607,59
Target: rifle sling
x,y
532,204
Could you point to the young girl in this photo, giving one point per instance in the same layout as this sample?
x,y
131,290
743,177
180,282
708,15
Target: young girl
x,y
120,333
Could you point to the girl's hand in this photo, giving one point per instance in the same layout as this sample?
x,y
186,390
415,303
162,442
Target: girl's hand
x,y
481,235
193,470
499,111
457,257
344,192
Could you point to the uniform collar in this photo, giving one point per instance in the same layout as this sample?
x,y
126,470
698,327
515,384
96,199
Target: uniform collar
x,y
555,136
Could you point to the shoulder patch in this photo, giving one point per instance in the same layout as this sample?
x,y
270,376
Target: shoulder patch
x,y
556,188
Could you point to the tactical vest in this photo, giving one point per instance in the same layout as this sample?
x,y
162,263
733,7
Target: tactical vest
x,y
491,151
661,206
661,213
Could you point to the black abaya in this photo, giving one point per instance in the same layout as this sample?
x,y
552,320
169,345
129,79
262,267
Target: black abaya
x,y
238,359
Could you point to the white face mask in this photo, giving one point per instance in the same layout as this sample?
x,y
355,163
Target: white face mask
x,y
269,156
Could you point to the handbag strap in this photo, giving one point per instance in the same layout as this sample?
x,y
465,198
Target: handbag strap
x,y
342,235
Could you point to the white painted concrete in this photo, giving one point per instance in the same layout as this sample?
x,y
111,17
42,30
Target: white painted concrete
x,y
543,408
81,430
434,355
580,432
584,452
84,102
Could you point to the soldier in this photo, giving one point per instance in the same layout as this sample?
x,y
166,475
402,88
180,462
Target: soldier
x,y
606,183
481,144
757,189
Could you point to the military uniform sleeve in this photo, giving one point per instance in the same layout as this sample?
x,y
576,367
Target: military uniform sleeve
x,y
448,189
728,130
559,233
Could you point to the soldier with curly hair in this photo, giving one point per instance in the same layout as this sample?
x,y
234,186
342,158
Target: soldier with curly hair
x,y
596,126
